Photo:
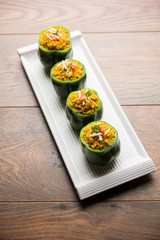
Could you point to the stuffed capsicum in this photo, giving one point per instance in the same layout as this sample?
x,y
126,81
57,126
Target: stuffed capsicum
x,y
54,45
100,142
82,107
67,76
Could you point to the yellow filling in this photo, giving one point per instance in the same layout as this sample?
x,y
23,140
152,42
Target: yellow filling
x,y
68,70
55,39
86,107
96,142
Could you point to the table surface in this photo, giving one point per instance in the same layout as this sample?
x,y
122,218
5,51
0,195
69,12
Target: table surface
x,y
37,197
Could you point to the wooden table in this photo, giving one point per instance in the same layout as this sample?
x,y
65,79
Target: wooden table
x,y
37,198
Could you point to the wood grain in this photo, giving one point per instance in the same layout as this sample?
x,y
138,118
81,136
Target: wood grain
x,y
37,198
15,88
89,16
30,161
139,220
32,169
130,63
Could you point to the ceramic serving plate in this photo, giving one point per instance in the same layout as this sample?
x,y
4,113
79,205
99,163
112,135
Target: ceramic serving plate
x,y
88,179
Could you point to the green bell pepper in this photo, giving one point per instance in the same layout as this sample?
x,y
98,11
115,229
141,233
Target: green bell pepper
x,y
64,88
101,157
78,120
50,57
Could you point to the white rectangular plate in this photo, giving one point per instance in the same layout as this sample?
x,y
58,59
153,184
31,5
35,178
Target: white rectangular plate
x,y
88,180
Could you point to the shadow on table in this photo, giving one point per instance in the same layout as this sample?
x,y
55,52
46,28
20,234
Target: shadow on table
x,y
121,193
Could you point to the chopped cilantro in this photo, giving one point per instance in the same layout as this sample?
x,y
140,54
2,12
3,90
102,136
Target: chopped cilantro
x,y
96,128
88,93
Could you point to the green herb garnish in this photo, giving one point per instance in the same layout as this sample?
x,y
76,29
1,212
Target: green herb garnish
x,y
96,128
69,64
57,32
88,93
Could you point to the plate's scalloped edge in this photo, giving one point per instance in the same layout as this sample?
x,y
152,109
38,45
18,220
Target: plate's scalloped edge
x,y
109,181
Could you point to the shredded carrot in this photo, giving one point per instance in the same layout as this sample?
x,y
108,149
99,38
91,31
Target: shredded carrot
x,y
82,104
94,141
55,39
63,71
